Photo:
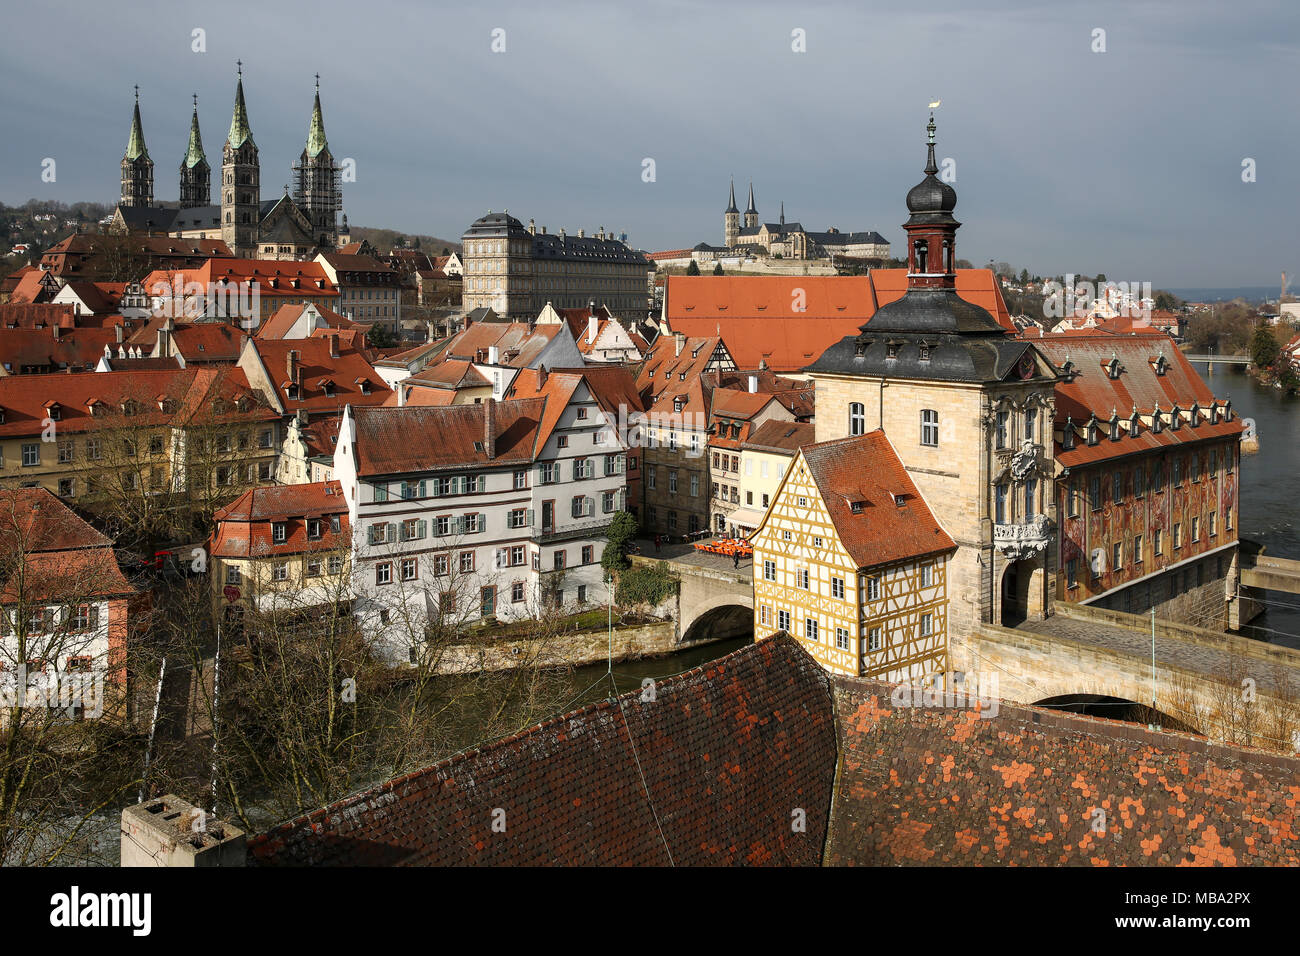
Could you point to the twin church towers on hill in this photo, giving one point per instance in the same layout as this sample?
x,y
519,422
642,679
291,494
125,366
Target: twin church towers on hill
x,y
290,227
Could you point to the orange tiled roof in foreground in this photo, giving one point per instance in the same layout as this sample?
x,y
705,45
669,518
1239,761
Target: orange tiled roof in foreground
x,y
755,727
756,315
64,556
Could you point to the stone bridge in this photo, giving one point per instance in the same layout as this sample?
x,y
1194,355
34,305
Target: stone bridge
x,y
716,598
1216,684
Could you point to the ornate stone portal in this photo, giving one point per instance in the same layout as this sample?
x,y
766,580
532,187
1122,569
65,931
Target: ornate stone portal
x,y
1017,541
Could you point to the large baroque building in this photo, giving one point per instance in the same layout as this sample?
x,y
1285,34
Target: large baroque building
x,y
288,227
516,271
792,240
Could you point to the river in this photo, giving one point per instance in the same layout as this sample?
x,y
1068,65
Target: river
x,y
1270,493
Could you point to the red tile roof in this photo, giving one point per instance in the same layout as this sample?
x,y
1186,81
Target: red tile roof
x,y
1092,391
28,315
754,315
725,752
317,368
273,277
279,322
518,343
1031,781
64,556
189,395
76,348
243,528
394,441
893,522
666,376
781,436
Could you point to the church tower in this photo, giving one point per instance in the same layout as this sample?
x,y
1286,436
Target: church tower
x,y
137,167
240,181
968,407
931,228
316,181
751,214
731,221
196,174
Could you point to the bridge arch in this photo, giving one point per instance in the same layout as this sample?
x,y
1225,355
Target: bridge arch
x,y
1116,708
720,617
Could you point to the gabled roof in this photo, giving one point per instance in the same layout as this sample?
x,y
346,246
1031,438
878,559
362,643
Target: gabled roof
x,y
190,395
451,374
667,378
279,322
244,527
316,367
518,344
781,437
892,522
395,441
1089,389
64,557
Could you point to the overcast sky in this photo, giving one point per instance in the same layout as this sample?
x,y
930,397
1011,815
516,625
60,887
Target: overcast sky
x,y
1127,161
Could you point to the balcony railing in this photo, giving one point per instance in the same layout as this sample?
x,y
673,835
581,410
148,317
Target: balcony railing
x,y
566,528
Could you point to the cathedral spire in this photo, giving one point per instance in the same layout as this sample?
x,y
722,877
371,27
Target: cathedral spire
x,y
194,154
731,206
752,208
135,147
239,128
316,134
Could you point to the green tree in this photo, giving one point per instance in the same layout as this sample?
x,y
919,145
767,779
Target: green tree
x,y
621,531
717,269
1024,276
693,269
1263,347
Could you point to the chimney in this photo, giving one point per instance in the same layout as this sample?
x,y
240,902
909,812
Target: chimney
x,y
333,339
163,348
541,378
490,428
591,323
169,832
679,340
753,383
582,233
293,366
493,355
55,327
532,226
543,230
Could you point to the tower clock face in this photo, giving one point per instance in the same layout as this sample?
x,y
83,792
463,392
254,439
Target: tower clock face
x,y
1026,366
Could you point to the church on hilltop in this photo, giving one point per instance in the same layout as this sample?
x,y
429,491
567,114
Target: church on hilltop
x,y
288,227
791,240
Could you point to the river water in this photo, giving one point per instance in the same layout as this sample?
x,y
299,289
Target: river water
x,y
1270,490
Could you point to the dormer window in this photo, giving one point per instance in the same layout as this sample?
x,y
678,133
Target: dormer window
x,y
857,507
1176,418
1157,421
293,392
1160,364
2,416
1214,414
365,386
1133,425
891,350
923,353
677,404
56,412
1114,428
1195,418
1093,433
279,532
1113,368
1227,411
1067,436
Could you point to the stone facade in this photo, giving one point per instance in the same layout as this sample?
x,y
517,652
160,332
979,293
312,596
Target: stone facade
x,y
958,478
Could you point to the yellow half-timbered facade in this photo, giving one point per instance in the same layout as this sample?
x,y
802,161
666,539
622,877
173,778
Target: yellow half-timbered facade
x,y
850,560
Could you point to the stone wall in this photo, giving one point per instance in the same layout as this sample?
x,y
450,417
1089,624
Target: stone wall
x,y
586,647
940,786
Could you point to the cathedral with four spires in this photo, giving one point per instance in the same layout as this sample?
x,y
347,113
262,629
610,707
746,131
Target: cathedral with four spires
x,y
296,226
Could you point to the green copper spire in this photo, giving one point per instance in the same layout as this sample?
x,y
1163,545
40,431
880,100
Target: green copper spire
x,y
194,155
239,130
135,147
316,134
